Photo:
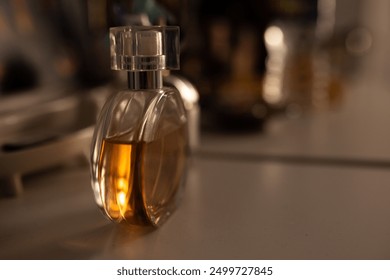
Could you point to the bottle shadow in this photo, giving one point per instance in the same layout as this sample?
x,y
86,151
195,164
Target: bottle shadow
x,y
101,242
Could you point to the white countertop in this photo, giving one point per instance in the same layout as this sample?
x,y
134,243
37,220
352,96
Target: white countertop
x,y
230,210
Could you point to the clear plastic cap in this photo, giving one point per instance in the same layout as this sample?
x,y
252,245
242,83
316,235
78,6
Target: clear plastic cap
x,y
145,48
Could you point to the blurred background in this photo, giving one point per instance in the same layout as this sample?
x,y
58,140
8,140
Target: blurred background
x,y
245,65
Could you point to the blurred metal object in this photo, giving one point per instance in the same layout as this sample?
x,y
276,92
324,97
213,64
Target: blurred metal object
x,y
11,185
15,164
42,136
190,98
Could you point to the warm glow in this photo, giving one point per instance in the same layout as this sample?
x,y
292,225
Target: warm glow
x,y
122,200
122,184
116,178
123,176
274,36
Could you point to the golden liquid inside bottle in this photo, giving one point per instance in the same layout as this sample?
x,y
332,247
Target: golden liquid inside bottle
x,y
139,181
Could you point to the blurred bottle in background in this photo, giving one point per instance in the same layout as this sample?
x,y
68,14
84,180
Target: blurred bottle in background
x,y
298,74
310,54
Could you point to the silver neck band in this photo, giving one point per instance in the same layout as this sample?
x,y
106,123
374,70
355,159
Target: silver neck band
x,y
144,80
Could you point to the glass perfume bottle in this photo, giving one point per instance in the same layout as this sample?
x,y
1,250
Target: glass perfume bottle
x,y
140,145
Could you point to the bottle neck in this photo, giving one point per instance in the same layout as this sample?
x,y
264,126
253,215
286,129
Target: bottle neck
x,y
144,80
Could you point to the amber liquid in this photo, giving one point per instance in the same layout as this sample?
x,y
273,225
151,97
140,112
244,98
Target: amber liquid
x,y
139,181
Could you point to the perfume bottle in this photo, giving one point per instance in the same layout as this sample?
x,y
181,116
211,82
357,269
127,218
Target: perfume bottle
x,y
140,144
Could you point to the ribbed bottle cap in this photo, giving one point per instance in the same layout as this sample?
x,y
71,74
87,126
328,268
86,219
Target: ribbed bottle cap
x,y
145,48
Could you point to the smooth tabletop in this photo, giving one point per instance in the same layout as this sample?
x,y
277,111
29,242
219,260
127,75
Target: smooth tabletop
x,y
231,210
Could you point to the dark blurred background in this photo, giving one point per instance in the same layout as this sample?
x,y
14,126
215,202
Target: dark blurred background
x,y
249,59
